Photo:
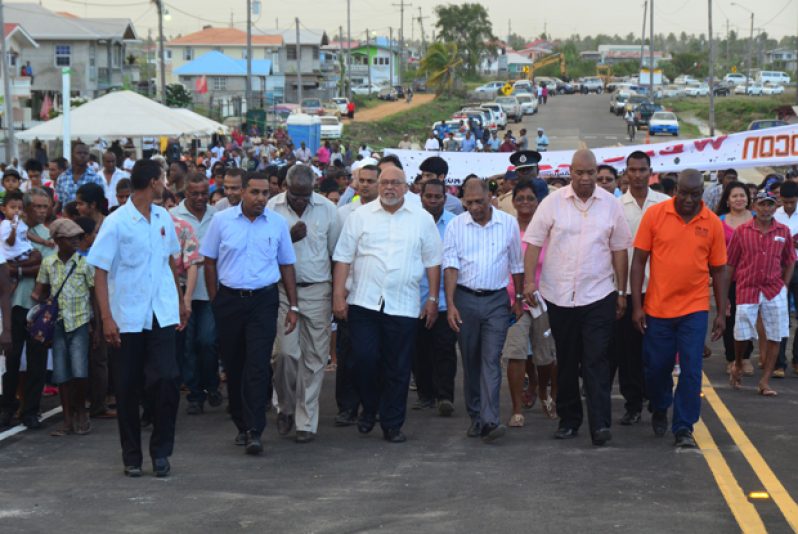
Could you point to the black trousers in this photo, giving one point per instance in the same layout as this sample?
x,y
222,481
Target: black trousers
x,y
582,336
626,357
345,392
435,360
36,357
246,327
147,358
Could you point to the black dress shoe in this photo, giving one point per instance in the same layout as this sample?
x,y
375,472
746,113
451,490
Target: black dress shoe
x,y
161,467
683,439
630,418
254,445
423,404
659,422
345,418
285,423
241,439
565,433
194,408
5,419
32,422
394,435
133,471
445,408
601,437
304,436
364,427
215,398
475,430
492,432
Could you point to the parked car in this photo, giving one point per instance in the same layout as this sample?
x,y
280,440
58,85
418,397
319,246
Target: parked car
x,y
766,123
618,102
387,93
341,103
529,103
644,112
701,89
511,106
400,91
663,122
499,114
453,126
331,127
635,100
685,79
312,106
366,89
522,86
563,87
331,108
485,117
673,91
769,89
592,84
734,78
490,88
754,89
722,89
775,77
420,85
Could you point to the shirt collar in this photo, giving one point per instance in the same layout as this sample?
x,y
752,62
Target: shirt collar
x,y
493,218
136,215
670,207
181,209
376,205
569,192
627,197
774,226
237,212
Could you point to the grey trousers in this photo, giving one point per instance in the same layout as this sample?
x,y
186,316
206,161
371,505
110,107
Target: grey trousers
x,y
482,334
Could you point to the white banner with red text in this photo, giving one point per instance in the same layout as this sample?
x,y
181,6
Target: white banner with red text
x,y
756,148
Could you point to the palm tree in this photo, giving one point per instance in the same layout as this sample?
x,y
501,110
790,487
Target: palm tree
x,y
442,65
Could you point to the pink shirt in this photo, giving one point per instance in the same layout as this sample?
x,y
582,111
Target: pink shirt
x,y
323,154
582,236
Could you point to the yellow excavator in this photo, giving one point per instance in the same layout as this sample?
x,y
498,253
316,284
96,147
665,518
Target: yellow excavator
x,y
548,60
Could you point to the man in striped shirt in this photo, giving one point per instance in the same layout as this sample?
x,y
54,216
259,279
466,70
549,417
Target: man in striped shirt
x,y
481,249
762,255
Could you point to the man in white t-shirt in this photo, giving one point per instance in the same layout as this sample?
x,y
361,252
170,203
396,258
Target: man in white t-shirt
x,y
432,143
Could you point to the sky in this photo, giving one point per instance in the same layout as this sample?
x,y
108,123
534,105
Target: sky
x,y
526,17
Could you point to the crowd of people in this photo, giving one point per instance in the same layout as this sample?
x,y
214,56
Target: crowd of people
x,y
197,270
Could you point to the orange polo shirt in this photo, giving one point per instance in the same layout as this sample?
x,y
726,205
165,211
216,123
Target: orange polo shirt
x,y
680,256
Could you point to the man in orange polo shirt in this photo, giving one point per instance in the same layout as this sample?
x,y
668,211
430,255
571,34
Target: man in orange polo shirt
x,y
685,243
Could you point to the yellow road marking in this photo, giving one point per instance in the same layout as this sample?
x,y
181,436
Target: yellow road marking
x,y
772,484
743,510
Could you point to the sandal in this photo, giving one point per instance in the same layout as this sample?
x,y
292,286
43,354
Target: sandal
x,y
735,377
83,428
549,408
527,399
516,421
61,432
767,392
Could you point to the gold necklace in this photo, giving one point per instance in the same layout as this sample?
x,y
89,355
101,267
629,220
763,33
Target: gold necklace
x,y
583,211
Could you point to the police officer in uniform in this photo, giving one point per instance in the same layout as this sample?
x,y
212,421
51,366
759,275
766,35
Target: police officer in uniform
x,y
526,167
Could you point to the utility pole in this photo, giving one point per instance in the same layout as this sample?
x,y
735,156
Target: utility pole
x,y
421,27
711,74
298,65
651,53
368,57
342,88
750,49
728,58
401,6
348,50
509,30
796,68
161,52
643,35
249,54
11,145
390,52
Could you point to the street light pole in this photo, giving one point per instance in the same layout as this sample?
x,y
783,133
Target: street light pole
x,y
651,53
161,52
750,46
249,54
711,74
11,145
643,35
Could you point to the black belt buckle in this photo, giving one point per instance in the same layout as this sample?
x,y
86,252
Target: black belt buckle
x,y
245,293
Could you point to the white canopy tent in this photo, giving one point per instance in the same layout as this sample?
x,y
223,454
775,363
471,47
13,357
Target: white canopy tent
x,y
210,126
122,114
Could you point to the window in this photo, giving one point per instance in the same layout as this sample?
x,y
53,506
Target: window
x,y
219,83
188,53
290,52
92,55
315,52
116,57
63,55
12,58
244,53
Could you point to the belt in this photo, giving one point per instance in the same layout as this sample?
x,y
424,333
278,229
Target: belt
x,y
246,293
480,292
308,284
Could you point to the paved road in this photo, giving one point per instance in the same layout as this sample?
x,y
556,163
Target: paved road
x,y
440,480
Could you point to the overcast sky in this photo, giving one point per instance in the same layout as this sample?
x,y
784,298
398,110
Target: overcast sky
x,y
778,17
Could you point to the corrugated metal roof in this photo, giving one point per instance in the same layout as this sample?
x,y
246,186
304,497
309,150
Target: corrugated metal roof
x,y
43,24
217,64
225,36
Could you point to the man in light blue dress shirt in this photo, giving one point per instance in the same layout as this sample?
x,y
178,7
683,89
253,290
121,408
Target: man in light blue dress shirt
x,y
247,250
137,293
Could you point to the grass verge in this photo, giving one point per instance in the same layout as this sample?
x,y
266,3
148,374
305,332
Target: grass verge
x,y
389,131
732,113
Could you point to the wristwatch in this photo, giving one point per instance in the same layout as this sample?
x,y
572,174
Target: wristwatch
x,y
294,309
433,298
621,292
519,296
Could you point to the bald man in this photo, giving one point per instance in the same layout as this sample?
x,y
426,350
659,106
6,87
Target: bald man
x,y
684,242
387,244
583,285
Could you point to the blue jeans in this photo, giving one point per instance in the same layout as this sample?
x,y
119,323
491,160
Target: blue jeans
x,y
200,368
663,340
70,353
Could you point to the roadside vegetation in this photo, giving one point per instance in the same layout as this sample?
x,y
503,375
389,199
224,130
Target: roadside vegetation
x,y
732,113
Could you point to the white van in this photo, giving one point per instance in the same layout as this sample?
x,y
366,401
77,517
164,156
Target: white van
x,y
775,77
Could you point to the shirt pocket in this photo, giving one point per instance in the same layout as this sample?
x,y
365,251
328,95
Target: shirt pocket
x,y
132,250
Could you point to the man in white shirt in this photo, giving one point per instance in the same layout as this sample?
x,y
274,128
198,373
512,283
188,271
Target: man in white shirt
x,y
432,143
626,346
482,249
388,245
301,356
127,165
232,189
303,153
788,216
405,143
111,175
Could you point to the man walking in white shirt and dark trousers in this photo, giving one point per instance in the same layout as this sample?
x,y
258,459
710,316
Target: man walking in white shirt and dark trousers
x,y
247,250
137,294
480,248
387,244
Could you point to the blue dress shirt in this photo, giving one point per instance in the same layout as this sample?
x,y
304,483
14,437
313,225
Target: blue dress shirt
x,y
248,253
441,223
135,252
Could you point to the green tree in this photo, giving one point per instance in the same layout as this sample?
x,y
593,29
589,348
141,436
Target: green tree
x,y
442,65
468,27
177,96
516,42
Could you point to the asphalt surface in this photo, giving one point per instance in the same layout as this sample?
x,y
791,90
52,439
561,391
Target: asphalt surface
x,y
439,480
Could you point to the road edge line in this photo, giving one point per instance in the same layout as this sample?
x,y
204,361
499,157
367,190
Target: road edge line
x,y
13,431
772,484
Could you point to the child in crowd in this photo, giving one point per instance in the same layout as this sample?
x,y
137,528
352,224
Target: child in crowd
x,y
123,190
69,275
88,225
14,231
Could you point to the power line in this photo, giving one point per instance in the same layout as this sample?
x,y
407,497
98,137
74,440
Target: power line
x,y
779,13
80,3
